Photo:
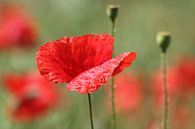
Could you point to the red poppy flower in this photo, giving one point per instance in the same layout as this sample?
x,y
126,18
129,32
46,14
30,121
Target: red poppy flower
x,y
172,85
84,61
186,74
33,95
180,80
17,28
128,92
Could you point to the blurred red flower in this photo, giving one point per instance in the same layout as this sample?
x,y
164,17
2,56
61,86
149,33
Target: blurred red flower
x,y
172,85
84,61
180,80
128,92
17,27
33,95
186,74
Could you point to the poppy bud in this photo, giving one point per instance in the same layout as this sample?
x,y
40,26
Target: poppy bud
x,y
112,12
163,39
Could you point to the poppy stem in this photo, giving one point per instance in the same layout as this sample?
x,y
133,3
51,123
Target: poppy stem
x,y
112,12
113,31
114,124
163,40
90,110
166,103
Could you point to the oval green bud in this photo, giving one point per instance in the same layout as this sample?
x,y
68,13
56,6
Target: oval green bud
x,y
112,12
163,39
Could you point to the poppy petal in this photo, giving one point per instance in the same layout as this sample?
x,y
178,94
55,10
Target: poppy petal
x,y
124,63
90,80
61,60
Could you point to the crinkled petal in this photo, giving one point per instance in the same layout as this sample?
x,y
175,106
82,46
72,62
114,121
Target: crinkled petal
x,y
61,60
124,63
90,80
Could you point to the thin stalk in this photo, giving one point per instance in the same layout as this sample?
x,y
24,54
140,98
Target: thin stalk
x,y
114,123
113,104
166,103
113,30
90,110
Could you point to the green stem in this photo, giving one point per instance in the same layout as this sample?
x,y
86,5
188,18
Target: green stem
x,y
90,110
114,124
166,103
113,30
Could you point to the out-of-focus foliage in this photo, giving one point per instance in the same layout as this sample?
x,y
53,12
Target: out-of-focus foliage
x,y
137,24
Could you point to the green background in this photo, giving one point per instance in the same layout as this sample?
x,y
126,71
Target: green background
x,y
137,25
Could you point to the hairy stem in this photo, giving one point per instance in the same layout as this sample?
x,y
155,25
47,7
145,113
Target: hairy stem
x,y
166,103
114,123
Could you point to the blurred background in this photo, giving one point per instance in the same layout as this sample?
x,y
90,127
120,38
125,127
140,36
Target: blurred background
x,y
35,22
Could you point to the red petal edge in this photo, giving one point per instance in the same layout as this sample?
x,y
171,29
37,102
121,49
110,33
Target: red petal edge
x,y
92,79
49,64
